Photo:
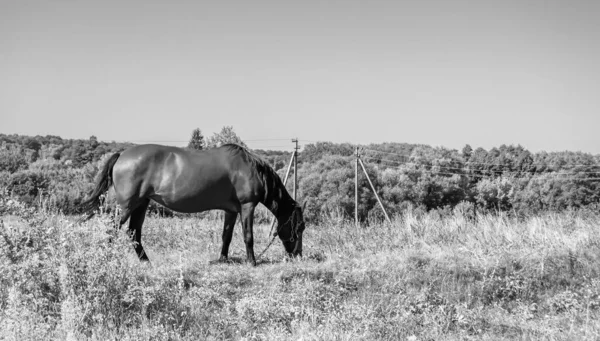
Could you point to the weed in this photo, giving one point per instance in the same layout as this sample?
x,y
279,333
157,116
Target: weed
x,y
424,277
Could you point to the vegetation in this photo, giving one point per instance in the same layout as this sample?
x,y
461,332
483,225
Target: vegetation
x,y
526,266
197,140
428,276
505,179
226,135
51,170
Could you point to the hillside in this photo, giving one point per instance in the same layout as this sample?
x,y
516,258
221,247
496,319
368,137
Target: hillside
x,y
59,172
526,266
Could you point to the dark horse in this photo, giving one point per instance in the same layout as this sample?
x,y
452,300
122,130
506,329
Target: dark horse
x,y
228,178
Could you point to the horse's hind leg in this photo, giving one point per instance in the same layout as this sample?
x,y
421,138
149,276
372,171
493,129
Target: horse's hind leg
x,y
125,214
135,228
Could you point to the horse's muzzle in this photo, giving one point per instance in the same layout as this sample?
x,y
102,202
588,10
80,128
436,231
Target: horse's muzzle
x,y
294,248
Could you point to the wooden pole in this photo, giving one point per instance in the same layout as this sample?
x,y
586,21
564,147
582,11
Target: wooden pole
x,y
356,189
374,191
295,167
287,174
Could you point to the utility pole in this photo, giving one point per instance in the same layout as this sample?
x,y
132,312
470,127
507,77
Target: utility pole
x,y
295,166
356,189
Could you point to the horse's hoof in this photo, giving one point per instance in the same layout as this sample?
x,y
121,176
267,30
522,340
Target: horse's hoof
x,y
220,260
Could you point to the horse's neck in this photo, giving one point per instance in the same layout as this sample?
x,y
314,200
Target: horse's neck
x,y
281,204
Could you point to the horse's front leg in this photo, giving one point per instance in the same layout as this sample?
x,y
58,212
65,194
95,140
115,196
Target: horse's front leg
x,y
228,225
247,222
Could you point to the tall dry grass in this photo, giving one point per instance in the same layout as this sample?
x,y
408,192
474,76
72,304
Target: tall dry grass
x,y
425,277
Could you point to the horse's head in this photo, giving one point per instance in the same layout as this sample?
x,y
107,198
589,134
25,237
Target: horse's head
x,y
290,231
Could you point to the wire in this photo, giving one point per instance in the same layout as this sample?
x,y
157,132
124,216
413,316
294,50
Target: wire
x,y
492,176
379,151
467,169
267,139
262,147
182,141
500,165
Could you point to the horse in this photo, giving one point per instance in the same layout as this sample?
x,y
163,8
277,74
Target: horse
x,y
229,178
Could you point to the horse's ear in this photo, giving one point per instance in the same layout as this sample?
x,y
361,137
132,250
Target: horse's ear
x,y
304,205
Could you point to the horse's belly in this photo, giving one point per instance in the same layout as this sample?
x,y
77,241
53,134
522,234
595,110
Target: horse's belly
x,y
190,199
193,206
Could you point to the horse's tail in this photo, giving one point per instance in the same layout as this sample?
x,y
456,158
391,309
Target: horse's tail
x,y
103,183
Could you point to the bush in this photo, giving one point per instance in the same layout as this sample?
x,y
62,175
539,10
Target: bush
x,y
12,160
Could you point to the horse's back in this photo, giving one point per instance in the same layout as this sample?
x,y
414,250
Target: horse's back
x,y
183,180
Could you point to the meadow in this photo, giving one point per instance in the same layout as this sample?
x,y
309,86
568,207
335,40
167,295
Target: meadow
x,y
428,276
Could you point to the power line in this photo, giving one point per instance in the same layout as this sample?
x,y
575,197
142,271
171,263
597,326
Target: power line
x,y
380,151
182,141
253,140
261,147
442,172
496,164
467,169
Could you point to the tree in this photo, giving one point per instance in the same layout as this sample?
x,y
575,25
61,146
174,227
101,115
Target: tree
x,y
197,140
328,187
34,146
80,154
467,151
12,160
314,152
93,142
227,135
495,194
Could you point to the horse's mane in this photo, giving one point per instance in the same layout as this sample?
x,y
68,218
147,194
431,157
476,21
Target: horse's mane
x,y
274,188
248,155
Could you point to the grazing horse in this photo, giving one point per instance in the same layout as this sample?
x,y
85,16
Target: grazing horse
x,y
228,178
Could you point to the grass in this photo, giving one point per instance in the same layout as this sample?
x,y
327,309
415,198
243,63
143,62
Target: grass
x,y
423,278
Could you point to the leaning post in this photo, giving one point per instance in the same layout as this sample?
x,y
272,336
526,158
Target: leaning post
x,y
295,166
287,174
356,189
374,191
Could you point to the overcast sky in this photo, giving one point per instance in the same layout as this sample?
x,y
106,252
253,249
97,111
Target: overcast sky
x,y
438,72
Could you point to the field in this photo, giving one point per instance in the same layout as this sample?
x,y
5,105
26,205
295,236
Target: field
x,y
426,277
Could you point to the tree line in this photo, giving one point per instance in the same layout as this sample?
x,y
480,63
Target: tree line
x,y
60,172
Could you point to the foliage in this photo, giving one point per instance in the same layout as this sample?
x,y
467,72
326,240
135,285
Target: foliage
x,y
58,173
275,158
226,135
313,152
197,140
508,178
425,277
59,176
74,152
12,160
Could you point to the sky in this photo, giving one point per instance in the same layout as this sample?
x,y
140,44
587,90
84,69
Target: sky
x,y
438,72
